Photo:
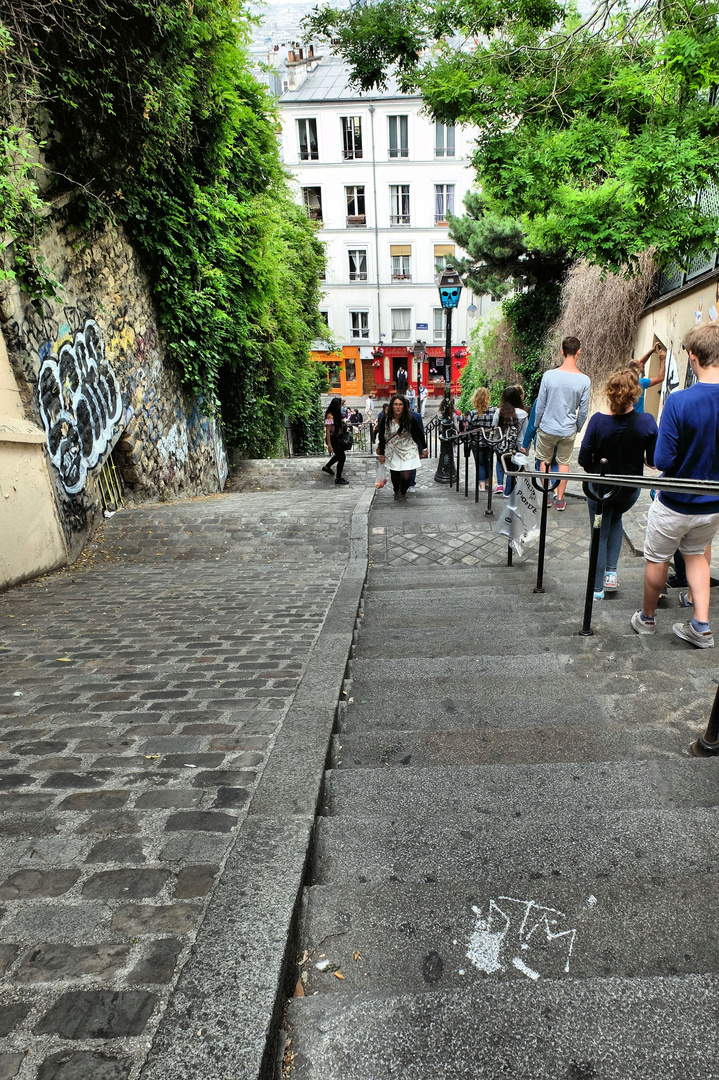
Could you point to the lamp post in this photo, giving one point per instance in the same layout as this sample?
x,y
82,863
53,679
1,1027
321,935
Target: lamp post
x,y
450,288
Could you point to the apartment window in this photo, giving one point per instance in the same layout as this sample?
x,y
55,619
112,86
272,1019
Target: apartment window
x,y
359,324
358,264
399,204
439,324
401,254
355,206
401,322
398,140
443,202
443,140
441,252
307,131
351,137
312,198
325,316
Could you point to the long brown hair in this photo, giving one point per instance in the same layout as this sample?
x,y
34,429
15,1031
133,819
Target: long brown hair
x,y
512,399
405,423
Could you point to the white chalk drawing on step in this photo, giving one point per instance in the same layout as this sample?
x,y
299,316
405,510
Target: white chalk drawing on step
x,y
524,933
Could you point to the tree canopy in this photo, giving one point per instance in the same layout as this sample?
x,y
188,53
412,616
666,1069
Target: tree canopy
x,y
595,134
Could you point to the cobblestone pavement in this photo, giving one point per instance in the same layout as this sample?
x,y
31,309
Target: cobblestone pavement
x,y
456,531
140,697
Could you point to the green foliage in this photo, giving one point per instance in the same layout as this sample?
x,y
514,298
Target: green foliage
x,y
161,126
499,259
481,367
595,133
507,346
530,315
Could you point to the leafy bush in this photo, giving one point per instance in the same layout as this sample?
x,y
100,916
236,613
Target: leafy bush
x,y
159,124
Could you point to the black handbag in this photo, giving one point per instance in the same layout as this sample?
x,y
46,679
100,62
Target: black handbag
x,y
345,439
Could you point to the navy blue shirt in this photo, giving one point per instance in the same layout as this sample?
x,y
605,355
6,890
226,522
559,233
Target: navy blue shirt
x,y
623,440
688,445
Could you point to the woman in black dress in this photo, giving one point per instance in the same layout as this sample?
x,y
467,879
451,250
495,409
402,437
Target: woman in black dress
x,y
334,433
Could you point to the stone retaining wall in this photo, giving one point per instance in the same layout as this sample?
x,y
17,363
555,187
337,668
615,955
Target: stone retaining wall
x,y
92,374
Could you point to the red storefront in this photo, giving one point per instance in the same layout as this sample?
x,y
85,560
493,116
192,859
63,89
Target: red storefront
x,y
386,359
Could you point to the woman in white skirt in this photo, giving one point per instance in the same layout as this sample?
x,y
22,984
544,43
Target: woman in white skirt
x,y
400,445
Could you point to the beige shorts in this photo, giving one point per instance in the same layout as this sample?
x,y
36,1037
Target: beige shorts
x,y
546,445
667,530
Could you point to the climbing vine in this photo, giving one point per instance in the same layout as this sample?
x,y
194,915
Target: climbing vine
x,y
147,112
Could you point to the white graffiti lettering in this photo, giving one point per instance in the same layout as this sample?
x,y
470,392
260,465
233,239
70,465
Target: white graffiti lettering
x,y
80,403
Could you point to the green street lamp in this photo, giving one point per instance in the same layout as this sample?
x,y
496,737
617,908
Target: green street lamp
x,y
450,290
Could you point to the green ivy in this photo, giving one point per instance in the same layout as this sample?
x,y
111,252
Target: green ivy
x,y
530,314
159,124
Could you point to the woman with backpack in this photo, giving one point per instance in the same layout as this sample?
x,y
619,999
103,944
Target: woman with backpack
x,y
511,419
400,445
481,418
337,438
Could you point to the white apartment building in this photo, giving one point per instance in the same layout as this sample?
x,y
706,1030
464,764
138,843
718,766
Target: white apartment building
x,y
380,176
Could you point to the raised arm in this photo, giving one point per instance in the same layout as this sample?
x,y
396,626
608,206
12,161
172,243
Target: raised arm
x,y
662,369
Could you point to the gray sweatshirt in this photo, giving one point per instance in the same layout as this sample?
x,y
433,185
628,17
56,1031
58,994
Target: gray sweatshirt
x,y
563,403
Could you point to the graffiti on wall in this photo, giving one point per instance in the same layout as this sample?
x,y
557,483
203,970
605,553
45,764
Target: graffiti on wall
x,y
80,403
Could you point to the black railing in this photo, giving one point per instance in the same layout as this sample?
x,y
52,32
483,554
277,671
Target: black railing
x,y
431,434
601,488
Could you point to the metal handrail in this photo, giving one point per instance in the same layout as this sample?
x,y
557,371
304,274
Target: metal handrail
x,y
601,487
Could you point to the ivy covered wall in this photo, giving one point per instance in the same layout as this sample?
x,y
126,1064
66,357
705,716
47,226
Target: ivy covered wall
x,y
145,110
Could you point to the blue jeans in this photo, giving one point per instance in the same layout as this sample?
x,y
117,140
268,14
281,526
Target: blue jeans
x,y
610,534
481,458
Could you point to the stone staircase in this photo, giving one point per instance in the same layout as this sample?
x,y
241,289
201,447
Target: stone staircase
x,y
515,867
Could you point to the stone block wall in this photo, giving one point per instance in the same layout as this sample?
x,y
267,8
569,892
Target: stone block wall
x,y
92,372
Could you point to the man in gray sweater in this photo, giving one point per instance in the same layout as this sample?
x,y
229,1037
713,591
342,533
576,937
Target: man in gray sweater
x,y
562,409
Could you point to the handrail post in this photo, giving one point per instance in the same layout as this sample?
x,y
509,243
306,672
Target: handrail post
x,y
466,468
586,630
544,486
707,745
512,482
476,468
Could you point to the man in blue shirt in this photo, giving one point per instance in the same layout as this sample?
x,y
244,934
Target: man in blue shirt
x,y
687,447
655,380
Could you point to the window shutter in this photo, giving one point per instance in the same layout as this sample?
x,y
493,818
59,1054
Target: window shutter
x,y
443,249
401,249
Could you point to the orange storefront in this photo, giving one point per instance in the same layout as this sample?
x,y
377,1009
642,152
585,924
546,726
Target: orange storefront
x,y
344,370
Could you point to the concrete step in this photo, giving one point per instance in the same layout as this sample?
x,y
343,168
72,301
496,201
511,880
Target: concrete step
x,y
555,631
628,843
629,702
486,680
479,746
503,792
396,929
596,1029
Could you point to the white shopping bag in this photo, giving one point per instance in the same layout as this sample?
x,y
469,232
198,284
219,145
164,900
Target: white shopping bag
x,y
381,478
519,521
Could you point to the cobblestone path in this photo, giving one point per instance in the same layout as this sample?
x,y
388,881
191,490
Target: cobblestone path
x,y
139,699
